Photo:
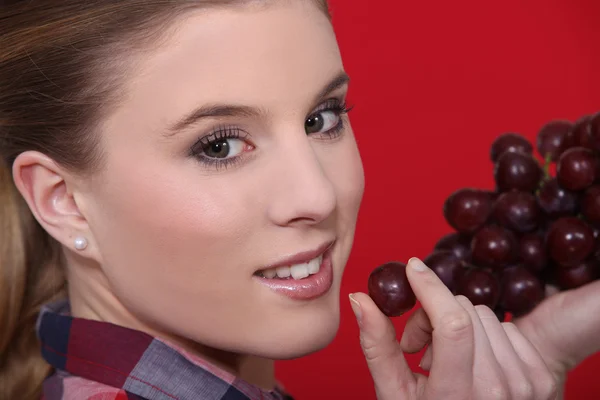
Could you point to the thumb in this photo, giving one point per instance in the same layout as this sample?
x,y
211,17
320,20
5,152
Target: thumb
x,y
391,374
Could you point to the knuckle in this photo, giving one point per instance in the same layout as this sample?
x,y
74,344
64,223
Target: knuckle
x,y
376,349
498,392
456,326
524,390
548,386
463,299
485,312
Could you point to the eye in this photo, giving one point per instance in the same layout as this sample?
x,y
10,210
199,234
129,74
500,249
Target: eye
x,y
224,148
322,121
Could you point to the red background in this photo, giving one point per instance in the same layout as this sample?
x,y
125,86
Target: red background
x,y
433,83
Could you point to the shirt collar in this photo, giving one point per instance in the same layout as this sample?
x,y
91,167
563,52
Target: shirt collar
x,y
135,361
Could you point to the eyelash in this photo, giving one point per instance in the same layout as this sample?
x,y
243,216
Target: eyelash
x,y
230,132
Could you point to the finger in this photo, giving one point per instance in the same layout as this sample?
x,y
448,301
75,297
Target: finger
x,y
417,332
516,372
544,383
490,381
425,363
391,374
451,375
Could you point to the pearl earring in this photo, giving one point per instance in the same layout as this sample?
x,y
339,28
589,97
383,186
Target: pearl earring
x,y
80,243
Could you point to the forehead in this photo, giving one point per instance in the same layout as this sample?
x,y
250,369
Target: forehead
x,y
271,56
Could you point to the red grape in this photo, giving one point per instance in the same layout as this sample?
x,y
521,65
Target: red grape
x,y
532,252
481,287
446,266
580,135
466,210
390,290
551,138
521,290
556,201
517,211
569,241
517,171
509,142
571,278
459,244
577,168
494,247
590,205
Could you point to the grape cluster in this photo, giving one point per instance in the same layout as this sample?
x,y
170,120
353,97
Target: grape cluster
x,y
539,226
536,228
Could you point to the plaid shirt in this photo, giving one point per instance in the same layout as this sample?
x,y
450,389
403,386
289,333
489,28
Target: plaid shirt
x,y
101,361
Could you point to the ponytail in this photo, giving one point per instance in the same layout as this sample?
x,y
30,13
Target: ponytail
x,y
30,275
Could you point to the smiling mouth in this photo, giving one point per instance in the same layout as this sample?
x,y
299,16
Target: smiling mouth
x,y
294,271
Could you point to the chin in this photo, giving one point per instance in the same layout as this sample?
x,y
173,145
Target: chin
x,y
299,335
304,342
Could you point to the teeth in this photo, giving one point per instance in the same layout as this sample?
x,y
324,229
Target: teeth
x,y
315,265
297,271
283,272
270,273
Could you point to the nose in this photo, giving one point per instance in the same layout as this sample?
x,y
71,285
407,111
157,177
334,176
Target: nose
x,y
300,190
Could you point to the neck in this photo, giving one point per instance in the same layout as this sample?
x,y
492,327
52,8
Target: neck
x,y
255,370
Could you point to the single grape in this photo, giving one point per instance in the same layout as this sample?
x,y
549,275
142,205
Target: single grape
x,y
481,287
569,241
551,138
390,290
459,244
590,205
521,290
509,142
466,210
580,135
557,201
517,171
517,211
494,247
446,266
532,252
577,168
584,273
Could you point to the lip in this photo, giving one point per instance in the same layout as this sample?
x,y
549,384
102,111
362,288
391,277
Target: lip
x,y
309,288
301,258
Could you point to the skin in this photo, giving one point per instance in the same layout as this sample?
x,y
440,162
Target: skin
x,y
174,242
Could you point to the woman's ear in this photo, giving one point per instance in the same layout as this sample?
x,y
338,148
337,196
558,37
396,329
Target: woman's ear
x,y
47,189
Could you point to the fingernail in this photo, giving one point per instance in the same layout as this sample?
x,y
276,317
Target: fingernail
x,y
417,264
356,308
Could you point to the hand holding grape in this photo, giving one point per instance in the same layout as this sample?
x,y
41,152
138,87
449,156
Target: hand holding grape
x,y
533,232
472,354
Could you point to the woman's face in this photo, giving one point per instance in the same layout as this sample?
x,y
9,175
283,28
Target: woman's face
x,y
230,154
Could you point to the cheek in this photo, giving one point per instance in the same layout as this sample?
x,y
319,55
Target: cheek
x,y
347,174
159,217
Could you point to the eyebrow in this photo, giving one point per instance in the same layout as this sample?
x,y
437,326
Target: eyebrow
x,y
232,110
